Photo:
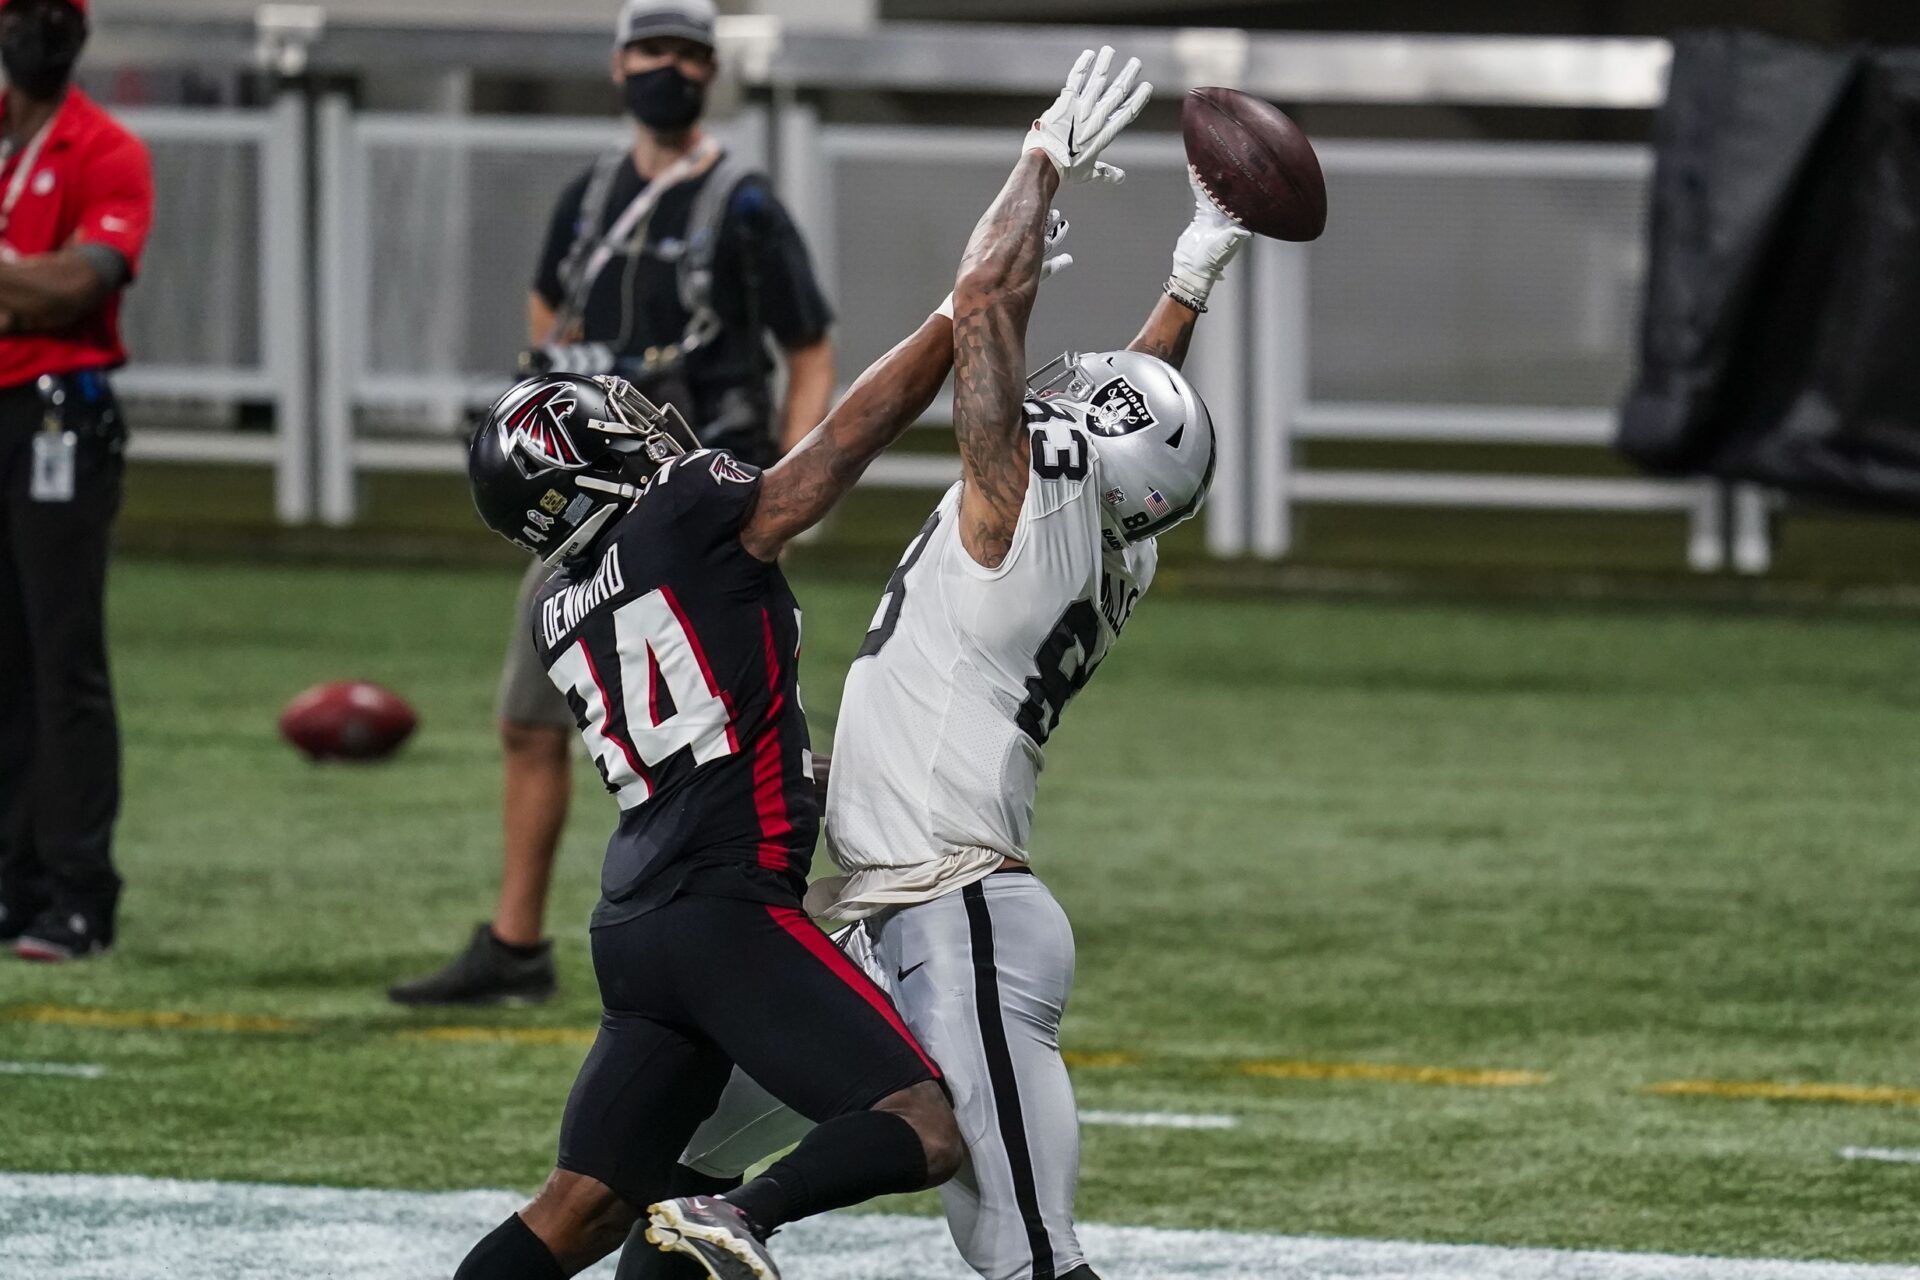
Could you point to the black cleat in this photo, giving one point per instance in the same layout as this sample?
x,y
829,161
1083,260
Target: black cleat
x,y
59,934
712,1233
15,917
487,972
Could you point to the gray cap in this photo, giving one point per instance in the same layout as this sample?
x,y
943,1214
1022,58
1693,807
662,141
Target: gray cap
x,y
652,19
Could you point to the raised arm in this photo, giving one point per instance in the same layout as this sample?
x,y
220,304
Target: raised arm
x,y
1199,258
894,391
994,294
992,300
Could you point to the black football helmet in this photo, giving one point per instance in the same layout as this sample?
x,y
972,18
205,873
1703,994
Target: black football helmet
x,y
559,456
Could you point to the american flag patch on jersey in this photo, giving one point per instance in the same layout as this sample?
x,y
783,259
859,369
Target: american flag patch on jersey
x,y
1157,504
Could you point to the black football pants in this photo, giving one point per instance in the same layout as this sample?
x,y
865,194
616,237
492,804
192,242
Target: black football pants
x,y
59,736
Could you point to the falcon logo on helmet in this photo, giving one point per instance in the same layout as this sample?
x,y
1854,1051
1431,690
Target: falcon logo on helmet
x,y
537,430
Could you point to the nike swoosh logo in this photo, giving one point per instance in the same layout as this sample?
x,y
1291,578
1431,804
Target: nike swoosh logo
x,y
901,975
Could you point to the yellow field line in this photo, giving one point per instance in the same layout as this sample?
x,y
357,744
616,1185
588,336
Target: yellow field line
x,y
1858,1094
1390,1073
1094,1059
137,1020
501,1035
1280,1069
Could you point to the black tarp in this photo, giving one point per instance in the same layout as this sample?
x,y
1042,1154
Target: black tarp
x,y
1781,335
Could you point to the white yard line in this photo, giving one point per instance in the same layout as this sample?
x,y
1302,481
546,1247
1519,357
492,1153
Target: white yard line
x,y
1158,1120
1885,1155
122,1228
74,1070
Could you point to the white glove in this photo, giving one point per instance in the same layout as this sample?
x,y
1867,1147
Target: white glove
x,y
1087,116
1204,249
1057,228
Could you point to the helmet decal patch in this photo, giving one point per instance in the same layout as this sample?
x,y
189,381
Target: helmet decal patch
x,y
1157,504
1118,409
537,429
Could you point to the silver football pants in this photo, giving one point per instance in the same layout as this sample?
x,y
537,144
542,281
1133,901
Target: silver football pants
x,y
982,977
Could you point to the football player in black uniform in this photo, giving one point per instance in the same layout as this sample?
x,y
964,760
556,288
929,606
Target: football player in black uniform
x,y
675,637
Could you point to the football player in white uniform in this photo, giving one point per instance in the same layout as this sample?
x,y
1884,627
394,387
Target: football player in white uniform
x,y
1005,603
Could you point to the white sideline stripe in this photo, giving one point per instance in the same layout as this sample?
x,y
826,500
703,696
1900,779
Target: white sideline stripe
x,y
125,1228
1158,1120
1885,1155
77,1070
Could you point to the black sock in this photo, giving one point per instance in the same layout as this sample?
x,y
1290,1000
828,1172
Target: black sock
x,y
510,1252
515,949
642,1261
844,1161
1081,1272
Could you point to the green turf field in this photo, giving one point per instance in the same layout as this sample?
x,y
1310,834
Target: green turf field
x,y
1596,848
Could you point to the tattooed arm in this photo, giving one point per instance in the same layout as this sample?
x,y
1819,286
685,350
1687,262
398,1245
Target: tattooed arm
x,y
991,302
1167,332
895,390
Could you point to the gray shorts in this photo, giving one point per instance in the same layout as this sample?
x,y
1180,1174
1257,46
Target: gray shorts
x,y
988,971
527,695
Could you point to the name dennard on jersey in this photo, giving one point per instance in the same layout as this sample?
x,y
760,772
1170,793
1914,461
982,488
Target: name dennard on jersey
x,y
564,611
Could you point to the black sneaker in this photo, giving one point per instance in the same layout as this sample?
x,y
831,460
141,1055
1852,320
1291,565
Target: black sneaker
x,y
487,972
59,934
712,1233
14,919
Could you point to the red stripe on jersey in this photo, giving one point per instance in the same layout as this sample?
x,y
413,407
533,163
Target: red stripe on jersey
x,y
770,799
606,723
653,686
706,670
809,935
779,701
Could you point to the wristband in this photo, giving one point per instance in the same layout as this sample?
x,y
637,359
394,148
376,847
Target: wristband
x,y
1181,296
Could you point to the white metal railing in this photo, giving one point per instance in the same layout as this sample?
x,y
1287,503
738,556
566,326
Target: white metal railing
x,y
276,139
466,358
1286,411
399,310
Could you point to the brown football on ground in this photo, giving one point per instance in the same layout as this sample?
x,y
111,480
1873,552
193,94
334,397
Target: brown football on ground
x,y
347,720
1255,163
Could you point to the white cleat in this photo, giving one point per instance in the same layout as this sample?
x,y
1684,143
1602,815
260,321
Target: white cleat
x,y
712,1233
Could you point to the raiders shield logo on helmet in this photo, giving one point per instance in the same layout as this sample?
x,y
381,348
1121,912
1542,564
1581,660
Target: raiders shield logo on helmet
x,y
534,432
1118,409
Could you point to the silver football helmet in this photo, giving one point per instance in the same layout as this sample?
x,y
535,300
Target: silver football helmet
x,y
1148,430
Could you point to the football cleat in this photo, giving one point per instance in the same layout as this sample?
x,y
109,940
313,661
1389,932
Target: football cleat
x,y
713,1233
56,936
485,973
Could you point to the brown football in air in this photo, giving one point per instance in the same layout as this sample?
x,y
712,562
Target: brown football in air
x,y
347,720
1255,163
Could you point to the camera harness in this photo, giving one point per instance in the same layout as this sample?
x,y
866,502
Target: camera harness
x,y
593,251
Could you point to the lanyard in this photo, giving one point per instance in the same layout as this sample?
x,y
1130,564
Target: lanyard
x,y
28,159
687,166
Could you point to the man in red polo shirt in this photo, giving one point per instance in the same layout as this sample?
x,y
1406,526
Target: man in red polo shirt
x,y
76,199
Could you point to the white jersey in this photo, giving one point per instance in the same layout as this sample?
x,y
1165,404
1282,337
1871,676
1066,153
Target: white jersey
x,y
947,710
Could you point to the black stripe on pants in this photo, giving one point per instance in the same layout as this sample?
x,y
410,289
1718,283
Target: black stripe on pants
x,y
1001,1077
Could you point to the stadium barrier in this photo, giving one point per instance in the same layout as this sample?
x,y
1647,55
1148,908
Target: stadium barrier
x,y
220,316
1467,293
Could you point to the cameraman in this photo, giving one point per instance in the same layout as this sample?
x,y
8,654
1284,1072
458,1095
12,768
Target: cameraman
x,y
76,200
668,263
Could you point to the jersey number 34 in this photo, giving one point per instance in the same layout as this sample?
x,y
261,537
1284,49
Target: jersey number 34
x,y
668,702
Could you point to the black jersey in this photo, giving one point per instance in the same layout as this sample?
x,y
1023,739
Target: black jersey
x,y
678,652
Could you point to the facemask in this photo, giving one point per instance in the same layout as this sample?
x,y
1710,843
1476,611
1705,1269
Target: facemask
x,y
665,100
38,50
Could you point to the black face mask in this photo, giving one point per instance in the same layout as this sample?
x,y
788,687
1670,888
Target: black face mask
x,y
665,100
38,48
